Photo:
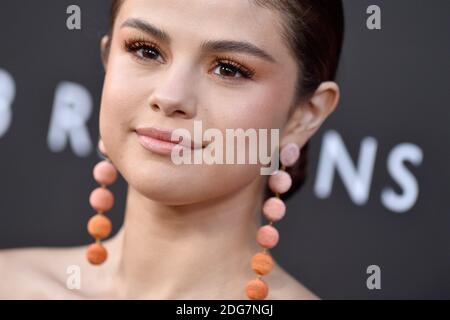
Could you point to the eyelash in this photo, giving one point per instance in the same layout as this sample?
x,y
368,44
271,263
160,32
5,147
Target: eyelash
x,y
133,46
224,61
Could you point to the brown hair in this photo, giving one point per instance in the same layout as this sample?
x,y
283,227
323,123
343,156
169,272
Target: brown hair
x,y
313,30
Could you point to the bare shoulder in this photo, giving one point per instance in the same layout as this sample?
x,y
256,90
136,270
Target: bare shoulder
x,y
284,286
36,273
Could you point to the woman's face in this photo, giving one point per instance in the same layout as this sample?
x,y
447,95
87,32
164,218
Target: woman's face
x,y
181,81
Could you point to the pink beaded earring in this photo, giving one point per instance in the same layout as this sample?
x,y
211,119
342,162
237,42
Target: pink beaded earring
x,y
101,200
274,210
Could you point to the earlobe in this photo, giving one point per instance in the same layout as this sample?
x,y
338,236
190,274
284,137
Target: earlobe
x,y
104,50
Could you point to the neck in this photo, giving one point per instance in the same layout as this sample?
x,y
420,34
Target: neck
x,y
187,252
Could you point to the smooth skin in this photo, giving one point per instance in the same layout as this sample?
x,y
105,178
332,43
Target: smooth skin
x,y
189,231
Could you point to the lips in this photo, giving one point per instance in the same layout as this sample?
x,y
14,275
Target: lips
x,y
160,140
163,135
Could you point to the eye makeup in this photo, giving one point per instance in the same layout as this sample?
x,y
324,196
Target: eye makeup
x,y
148,51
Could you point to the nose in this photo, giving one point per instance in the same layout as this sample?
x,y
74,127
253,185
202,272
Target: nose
x,y
173,95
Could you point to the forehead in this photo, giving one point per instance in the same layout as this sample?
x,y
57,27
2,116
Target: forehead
x,y
194,21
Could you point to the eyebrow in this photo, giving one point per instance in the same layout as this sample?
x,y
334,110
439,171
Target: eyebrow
x,y
237,46
209,45
147,28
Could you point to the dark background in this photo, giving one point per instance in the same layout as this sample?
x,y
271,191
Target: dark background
x,y
395,88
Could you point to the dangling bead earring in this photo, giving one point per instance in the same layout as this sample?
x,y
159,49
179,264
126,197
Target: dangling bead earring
x,y
274,210
101,200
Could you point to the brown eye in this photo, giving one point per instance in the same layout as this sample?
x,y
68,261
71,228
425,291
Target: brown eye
x,y
228,71
232,70
143,50
148,53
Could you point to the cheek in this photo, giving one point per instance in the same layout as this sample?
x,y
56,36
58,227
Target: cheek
x,y
121,94
261,107
118,105
271,105
264,106
124,95
112,120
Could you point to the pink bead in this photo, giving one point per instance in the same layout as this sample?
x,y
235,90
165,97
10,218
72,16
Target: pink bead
x,y
105,173
101,147
280,182
101,199
274,209
267,237
289,154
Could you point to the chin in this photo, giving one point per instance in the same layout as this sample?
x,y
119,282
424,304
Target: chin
x,y
168,189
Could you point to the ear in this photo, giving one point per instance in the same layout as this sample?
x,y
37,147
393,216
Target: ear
x,y
307,118
105,45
